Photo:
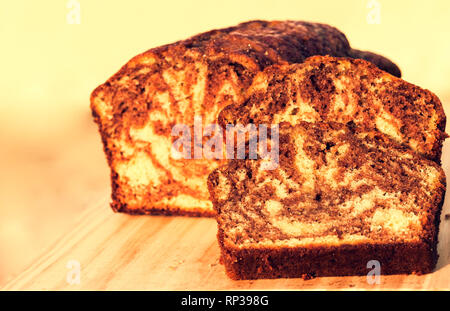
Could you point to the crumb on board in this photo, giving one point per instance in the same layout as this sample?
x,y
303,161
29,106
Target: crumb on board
x,y
176,264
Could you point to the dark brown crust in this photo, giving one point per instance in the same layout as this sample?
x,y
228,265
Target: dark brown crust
x,y
395,255
293,41
381,62
396,258
163,212
240,51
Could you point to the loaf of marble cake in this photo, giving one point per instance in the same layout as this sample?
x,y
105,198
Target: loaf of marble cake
x,y
341,198
137,108
349,91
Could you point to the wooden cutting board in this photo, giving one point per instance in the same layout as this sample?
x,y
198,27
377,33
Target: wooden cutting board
x,y
113,251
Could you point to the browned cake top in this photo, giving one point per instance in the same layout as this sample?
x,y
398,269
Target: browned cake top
x,y
332,186
271,42
348,91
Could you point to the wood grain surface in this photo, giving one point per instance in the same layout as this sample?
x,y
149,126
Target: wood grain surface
x,y
123,252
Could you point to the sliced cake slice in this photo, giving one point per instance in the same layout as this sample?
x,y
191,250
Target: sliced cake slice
x,y
347,91
137,108
338,200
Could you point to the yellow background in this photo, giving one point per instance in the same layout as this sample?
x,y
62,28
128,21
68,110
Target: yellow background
x,y
51,162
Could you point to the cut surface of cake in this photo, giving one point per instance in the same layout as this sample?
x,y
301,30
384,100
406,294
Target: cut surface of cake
x,y
347,91
338,199
137,107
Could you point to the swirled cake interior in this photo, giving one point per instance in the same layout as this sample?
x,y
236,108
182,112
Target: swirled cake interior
x,y
347,91
337,196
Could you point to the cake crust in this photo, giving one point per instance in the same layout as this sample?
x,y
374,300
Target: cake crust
x,y
347,260
137,107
